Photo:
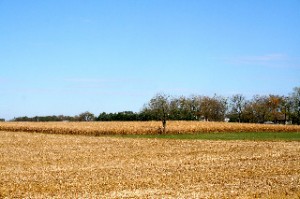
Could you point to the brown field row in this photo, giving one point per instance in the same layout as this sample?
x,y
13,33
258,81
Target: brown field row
x,y
153,127
60,166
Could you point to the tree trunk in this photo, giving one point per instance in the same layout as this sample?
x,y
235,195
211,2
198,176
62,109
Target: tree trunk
x,y
164,125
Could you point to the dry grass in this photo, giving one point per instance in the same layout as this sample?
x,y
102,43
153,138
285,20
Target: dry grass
x,y
123,128
60,166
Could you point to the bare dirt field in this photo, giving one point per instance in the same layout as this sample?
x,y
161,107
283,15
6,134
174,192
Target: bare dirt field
x,y
65,166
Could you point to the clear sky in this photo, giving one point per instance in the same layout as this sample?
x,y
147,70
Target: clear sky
x,y
70,56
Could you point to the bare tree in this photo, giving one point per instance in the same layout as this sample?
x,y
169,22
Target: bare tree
x,y
257,110
274,107
86,116
295,104
238,103
286,104
160,106
213,108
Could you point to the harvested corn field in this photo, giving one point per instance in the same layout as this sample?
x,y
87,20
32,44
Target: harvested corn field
x,y
142,128
60,166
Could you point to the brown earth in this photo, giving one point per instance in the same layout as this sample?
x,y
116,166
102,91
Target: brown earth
x,y
63,166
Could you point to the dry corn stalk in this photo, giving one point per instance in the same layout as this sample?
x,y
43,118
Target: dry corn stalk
x,y
139,128
59,166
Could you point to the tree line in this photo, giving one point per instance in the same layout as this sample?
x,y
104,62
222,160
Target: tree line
x,y
237,108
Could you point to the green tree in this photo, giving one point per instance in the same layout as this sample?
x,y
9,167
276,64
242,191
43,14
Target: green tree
x,y
180,108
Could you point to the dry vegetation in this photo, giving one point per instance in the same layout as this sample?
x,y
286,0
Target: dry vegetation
x,y
60,166
123,128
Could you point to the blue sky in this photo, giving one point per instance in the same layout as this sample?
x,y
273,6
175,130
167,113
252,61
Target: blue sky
x,y
67,57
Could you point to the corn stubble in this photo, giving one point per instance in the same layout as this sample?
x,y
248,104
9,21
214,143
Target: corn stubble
x,y
127,128
61,166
